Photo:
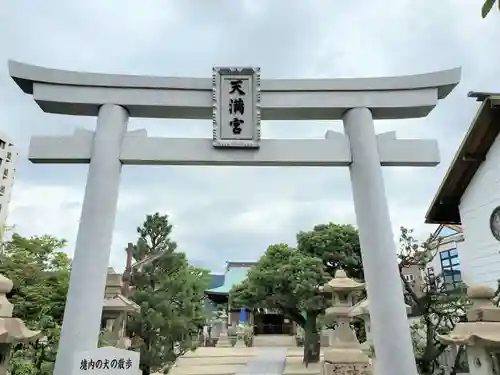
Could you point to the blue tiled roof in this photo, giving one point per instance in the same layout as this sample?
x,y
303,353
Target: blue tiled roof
x,y
216,281
233,276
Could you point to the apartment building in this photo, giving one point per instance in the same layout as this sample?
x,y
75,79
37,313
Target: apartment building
x,y
413,275
8,158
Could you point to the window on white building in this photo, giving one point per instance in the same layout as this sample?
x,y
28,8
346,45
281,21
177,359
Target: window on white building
x,y
9,156
5,173
450,265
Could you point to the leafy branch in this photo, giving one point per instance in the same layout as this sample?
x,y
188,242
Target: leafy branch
x,y
488,6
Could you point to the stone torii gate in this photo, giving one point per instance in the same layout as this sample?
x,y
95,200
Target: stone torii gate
x,y
236,141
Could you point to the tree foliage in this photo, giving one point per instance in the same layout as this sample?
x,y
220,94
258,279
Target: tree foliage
x,y
337,245
288,280
438,306
170,293
37,358
154,237
39,270
488,6
285,279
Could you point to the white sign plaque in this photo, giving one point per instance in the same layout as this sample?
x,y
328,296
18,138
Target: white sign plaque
x,y
108,360
236,107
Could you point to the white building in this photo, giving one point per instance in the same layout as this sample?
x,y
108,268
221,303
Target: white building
x,y
8,157
470,196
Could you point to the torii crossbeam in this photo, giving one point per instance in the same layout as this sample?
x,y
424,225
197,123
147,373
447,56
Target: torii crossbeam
x,y
139,149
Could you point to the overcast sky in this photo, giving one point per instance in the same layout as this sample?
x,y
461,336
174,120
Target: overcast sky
x,y
228,213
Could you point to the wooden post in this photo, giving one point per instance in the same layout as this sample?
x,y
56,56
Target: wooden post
x,y
128,270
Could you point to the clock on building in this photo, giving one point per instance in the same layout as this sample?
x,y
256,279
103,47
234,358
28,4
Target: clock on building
x,y
495,223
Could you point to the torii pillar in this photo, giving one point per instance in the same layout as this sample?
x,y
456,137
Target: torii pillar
x,y
358,102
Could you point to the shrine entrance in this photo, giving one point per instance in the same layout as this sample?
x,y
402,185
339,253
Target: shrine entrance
x,y
268,322
235,100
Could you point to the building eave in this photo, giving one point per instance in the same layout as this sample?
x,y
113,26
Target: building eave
x,y
215,293
217,297
444,208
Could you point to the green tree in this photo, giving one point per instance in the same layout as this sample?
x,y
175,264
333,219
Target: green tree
x,y
170,293
39,270
37,358
336,245
154,237
40,273
487,6
438,306
288,280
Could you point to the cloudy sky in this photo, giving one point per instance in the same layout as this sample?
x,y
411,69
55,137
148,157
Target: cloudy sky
x,y
228,213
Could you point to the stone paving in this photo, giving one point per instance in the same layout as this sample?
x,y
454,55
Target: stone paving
x,y
295,366
213,361
268,361
244,361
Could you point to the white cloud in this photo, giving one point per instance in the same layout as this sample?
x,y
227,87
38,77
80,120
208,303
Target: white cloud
x,y
55,210
43,209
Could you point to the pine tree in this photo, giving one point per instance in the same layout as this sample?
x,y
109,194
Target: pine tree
x,y
170,293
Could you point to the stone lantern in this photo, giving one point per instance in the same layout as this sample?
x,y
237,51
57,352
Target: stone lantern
x,y
481,332
344,353
223,341
12,330
115,311
361,310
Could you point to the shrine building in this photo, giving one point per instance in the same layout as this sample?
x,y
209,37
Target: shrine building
x,y
265,321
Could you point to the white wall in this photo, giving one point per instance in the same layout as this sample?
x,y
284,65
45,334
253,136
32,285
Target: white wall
x,y
480,256
7,174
